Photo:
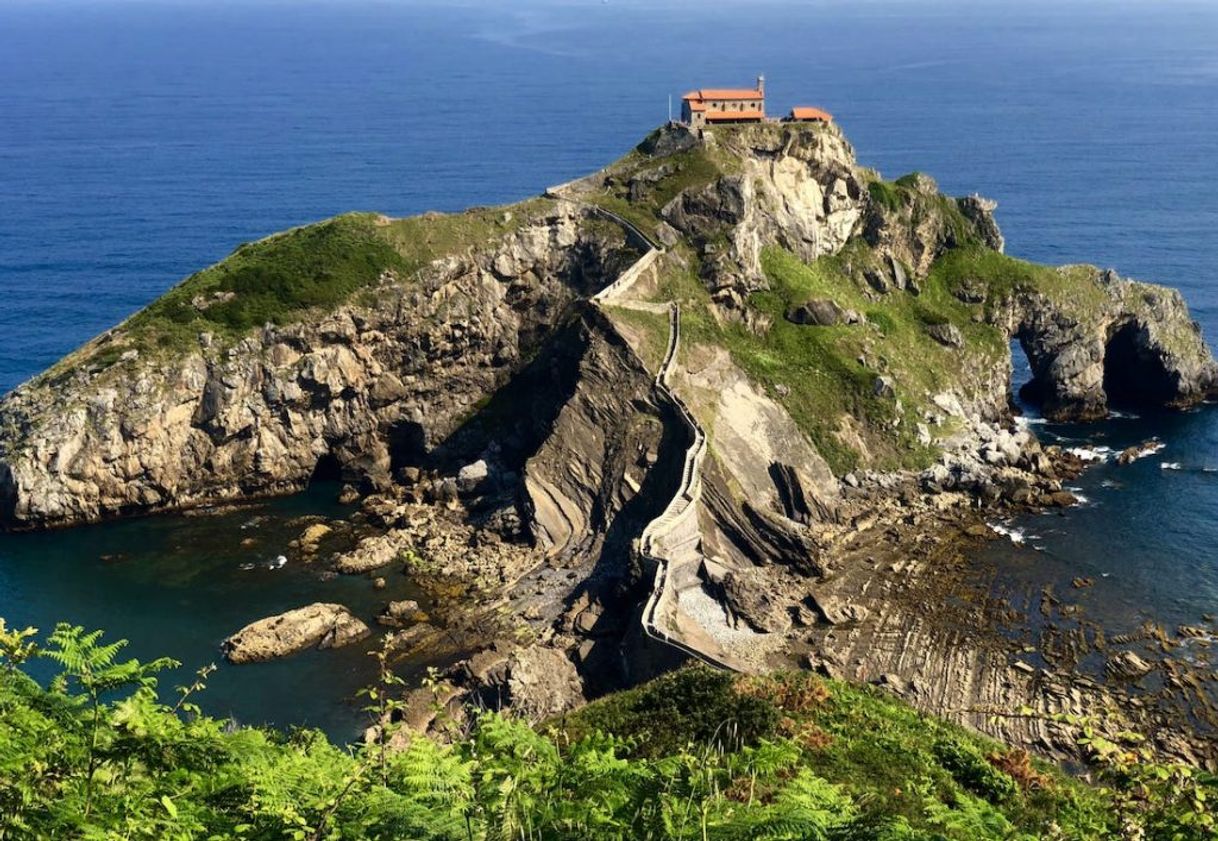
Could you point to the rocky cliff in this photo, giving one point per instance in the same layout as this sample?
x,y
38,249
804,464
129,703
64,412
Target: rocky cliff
x,y
357,347
133,423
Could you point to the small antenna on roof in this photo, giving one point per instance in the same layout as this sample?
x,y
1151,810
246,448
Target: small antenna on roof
x,y
670,108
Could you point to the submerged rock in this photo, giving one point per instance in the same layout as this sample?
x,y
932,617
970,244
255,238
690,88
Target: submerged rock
x,y
318,625
1131,454
399,613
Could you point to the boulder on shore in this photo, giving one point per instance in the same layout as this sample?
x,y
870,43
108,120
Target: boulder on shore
x,y
318,625
535,682
373,552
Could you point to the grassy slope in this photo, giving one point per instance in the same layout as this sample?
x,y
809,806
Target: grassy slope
x,y
815,371
898,773
292,275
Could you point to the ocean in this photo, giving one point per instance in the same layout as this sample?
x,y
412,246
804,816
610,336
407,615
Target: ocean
x,y
142,140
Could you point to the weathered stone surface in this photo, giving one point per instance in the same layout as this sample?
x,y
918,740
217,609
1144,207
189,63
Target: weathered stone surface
x,y
472,476
1134,343
980,211
399,613
261,414
799,190
313,535
750,595
317,625
1131,454
1128,666
756,439
373,552
535,682
822,312
948,335
576,481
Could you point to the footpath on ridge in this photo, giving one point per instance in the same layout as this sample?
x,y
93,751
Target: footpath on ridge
x,y
672,541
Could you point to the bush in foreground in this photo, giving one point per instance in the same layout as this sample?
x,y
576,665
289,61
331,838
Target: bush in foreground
x,y
696,754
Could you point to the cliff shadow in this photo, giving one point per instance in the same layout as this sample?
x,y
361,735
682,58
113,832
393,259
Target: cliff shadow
x,y
1134,376
515,419
618,579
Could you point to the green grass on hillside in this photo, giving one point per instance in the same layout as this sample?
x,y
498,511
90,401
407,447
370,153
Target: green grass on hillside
x,y
818,368
680,172
273,280
283,278
651,329
888,195
892,772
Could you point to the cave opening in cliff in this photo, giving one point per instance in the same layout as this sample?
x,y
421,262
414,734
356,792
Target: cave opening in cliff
x,y
327,469
407,445
1133,374
1024,392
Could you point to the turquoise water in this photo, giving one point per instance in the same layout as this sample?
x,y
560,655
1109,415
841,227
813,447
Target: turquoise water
x,y
178,585
141,141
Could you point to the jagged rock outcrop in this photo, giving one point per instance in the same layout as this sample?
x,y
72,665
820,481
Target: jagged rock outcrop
x,y
1129,342
536,682
600,448
382,380
317,625
799,190
357,391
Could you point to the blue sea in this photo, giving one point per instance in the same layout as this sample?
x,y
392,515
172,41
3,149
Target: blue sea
x,y
142,140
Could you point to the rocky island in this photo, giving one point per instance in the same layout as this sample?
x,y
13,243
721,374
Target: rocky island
x,y
733,398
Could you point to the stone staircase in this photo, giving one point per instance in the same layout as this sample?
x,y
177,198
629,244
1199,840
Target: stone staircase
x,y
672,541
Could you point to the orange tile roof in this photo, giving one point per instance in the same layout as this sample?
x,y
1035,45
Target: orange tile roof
x,y
697,105
724,93
713,116
808,113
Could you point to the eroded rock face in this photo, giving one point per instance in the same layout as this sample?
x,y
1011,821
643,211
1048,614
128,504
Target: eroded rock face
x,y
355,393
593,461
536,682
821,312
1133,344
911,236
317,625
798,190
749,593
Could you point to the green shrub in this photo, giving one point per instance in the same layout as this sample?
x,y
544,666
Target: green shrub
x,y
888,195
694,705
969,766
97,754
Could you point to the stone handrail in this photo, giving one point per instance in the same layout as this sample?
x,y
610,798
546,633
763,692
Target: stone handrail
x,y
630,227
628,277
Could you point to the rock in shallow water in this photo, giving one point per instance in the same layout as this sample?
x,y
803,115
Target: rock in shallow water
x,y
1128,666
318,625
